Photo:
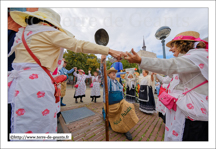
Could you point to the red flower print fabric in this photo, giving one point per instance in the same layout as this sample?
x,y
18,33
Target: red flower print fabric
x,y
9,83
29,33
45,112
40,94
16,92
20,112
27,68
203,110
59,62
190,118
201,65
190,106
167,129
175,133
33,76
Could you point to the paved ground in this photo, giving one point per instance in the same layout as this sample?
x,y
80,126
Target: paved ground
x,y
149,127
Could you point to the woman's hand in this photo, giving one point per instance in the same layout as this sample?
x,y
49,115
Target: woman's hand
x,y
97,69
133,58
116,54
75,68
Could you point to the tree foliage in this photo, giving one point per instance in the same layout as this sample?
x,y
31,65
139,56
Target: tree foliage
x,y
81,61
89,62
125,64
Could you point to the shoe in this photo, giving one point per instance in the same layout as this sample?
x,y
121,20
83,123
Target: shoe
x,y
128,136
76,101
92,100
62,104
81,101
95,100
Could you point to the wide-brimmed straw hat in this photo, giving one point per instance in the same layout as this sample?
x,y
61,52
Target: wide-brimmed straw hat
x,y
186,36
45,14
65,61
112,69
81,70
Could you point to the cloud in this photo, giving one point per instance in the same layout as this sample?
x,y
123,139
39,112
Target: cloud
x,y
127,26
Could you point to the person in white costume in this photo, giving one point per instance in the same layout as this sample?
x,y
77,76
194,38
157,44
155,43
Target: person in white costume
x,y
190,121
131,80
95,90
146,93
30,88
159,106
80,90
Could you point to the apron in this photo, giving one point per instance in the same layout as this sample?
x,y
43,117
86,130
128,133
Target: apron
x,y
95,90
146,99
63,88
193,106
80,91
122,116
31,94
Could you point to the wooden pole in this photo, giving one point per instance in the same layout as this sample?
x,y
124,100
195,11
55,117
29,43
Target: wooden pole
x,y
107,101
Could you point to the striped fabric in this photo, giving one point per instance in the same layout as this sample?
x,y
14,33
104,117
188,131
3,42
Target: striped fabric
x,y
116,86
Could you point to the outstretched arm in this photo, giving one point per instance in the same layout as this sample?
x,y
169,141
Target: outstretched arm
x,y
60,39
120,73
70,71
75,74
89,75
169,67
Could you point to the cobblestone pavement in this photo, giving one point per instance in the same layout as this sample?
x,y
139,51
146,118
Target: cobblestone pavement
x,y
149,128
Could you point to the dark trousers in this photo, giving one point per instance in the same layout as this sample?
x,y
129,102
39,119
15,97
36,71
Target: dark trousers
x,y
162,116
11,36
195,131
9,120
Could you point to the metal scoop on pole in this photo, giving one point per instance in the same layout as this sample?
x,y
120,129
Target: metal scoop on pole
x,y
102,38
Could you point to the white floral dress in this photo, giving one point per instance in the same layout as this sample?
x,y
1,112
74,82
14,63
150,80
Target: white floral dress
x,y
95,90
80,91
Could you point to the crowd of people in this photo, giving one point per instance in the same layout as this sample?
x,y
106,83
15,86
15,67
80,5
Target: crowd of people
x,y
37,73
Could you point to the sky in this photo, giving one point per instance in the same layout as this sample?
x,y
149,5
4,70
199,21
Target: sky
x,y
128,26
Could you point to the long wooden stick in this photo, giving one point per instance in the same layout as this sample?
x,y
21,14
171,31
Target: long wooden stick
x,y
107,102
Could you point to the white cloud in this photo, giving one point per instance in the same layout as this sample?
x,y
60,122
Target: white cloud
x,y
127,26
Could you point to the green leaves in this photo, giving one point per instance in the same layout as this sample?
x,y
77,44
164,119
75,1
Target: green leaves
x,y
89,62
81,61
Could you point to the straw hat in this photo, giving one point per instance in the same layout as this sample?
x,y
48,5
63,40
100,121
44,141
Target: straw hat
x,y
45,14
65,61
187,33
81,70
112,69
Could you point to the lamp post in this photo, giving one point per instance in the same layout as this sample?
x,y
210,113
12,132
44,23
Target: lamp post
x,y
162,33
